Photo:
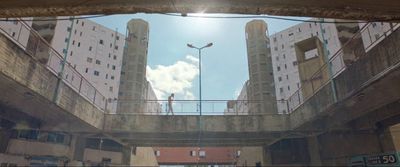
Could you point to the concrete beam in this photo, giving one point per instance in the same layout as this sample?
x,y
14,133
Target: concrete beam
x,y
345,9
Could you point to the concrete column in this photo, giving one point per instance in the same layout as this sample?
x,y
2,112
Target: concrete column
x,y
4,139
79,148
313,150
126,155
267,157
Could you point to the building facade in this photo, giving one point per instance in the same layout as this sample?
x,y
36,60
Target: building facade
x,y
285,63
262,89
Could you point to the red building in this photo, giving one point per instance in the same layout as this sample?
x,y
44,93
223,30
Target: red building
x,y
195,155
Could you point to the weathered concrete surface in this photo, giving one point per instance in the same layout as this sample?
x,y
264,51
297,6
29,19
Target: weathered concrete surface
x,y
150,130
346,9
368,84
27,91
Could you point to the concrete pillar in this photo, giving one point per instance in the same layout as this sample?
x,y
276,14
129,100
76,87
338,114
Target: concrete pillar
x,y
126,155
79,148
267,157
313,150
4,139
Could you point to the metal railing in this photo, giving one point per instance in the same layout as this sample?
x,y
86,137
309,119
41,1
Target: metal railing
x,y
191,107
337,63
37,47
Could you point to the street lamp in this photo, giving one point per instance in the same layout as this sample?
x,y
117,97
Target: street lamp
x,y
199,49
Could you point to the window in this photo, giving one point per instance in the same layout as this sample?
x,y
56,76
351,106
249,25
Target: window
x,y
96,73
157,153
101,42
202,153
285,66
77,21
64,51
108,65
106,76
94,28
89,59
326,41
279,68
274,39
193,153
281,90
83,23
55,138
80,34
115,57
86,71
279,79
73,42
295,63
112,77
111,89
283,46
117,37
287,77
277,58
98,62
66,40
75,31
79,44
13,34
288,87
90,48
70,53
299,30
110,45
69,29
116,47
290,34
284,56
113,67
276,48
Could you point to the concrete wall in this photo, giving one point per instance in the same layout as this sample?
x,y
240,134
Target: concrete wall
x,y
144,157
98,155
14,159
29,73
22,147
249,156
166,124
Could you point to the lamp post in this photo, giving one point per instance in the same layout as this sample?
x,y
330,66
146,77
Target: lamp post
x,y
199,49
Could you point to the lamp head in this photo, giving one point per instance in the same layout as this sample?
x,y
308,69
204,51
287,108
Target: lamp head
x,y
190,46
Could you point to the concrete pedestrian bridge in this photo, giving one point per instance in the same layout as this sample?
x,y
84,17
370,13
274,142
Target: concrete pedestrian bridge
x,y
367,95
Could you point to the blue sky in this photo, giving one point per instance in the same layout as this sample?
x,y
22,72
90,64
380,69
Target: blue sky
x,y
224,65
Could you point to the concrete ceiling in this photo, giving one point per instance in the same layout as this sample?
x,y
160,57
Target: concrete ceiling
x,y
345,9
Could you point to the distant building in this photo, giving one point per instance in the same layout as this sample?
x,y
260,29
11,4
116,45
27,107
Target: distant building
x,y
261,82
241,105
197,156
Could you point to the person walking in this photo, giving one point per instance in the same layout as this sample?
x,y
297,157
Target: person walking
x,y
170,100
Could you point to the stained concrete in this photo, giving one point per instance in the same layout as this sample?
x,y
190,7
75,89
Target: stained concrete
x,y
345,9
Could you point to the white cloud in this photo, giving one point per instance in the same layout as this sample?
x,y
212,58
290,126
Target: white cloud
x,y
176,78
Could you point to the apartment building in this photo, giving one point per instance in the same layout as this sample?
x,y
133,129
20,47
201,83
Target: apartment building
x,y
284,60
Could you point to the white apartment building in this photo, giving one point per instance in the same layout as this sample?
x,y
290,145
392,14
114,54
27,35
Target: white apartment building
x,y
92,49
286,75
14,29
95,52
